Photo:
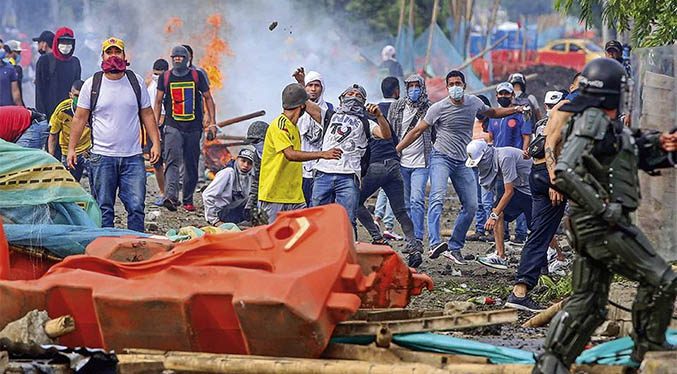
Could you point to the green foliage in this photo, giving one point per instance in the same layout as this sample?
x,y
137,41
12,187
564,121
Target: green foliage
x,y
554,289
653,22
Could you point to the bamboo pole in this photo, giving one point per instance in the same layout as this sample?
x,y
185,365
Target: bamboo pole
x,y
493,86
544,317
401,21
59,326
411,16
491,22
470,60
433,20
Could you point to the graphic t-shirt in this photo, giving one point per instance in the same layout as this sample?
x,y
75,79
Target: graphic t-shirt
x,y
454,124
14,120
281,180
115,120
60,123
345,132
508,130
183,101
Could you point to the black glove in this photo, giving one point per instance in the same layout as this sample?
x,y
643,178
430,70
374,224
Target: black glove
x,y
613,212
210,135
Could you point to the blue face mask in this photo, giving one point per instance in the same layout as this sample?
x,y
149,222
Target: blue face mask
x,y
456,92
414,93
572,95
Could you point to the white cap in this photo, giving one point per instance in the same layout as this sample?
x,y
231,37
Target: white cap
x,y
476,149
553,97
14,45
505,86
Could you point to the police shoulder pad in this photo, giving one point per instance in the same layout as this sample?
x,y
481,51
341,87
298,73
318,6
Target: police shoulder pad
x,y
592,123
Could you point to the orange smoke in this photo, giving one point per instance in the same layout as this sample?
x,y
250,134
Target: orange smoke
x,y
214,51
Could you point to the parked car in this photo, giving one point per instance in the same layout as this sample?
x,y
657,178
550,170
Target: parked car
x,y
571,53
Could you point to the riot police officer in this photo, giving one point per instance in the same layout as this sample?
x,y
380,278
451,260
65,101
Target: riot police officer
x,y
597,171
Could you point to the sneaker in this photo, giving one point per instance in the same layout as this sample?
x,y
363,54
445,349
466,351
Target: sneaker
x,y
493,261
415,259
159,201
557,267
476,237
523,303
189,207
511,249
455,257
380,241
416,246
391,235
518,241
437,249
169,204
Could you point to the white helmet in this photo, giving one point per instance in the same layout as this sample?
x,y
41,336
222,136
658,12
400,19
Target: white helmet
x,y
476,149
553,97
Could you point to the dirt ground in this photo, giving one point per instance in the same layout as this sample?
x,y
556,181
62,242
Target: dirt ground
x,y
475,279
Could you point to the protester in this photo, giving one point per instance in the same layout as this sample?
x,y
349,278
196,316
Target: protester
x,y
160,66
546,218
44,41
226,196
115,102
311,131
453,121
9,82
506,171
22,126
390,63
181,90
256,134
55,72
519,83
14,56
350,130
403,115
485,198
60,130
511,131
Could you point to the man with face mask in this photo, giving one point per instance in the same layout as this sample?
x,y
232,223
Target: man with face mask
x,y
44,42
14,56
256,133
225,198
160,66
311,131
453,118
9,82
519,83
181,90
55,72
281,179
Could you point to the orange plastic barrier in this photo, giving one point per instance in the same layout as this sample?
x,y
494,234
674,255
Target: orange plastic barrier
x,y
395,282
128,248
275,290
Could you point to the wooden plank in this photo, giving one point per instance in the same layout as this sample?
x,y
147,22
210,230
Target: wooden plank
x,y
361,353
394,314
656,80
442,323
130,364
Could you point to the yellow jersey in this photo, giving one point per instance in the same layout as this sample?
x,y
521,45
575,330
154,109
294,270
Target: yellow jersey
x,y
60,123
281,180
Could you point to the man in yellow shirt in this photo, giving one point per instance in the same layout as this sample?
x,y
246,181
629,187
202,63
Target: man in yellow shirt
x,y
281,175
60,130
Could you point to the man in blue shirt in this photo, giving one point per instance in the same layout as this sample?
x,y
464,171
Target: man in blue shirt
x,y
9,85
511,131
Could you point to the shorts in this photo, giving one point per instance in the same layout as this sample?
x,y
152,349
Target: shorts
x,y
519,204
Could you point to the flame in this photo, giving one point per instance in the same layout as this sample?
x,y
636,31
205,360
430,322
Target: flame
x,y
216,48
172,25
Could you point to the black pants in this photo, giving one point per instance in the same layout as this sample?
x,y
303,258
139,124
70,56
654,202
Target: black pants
x,y
545,220
181,148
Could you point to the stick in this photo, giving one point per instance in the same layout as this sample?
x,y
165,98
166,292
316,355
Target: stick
x,y
430,35
470,60
493,87
60,326
544,317
241,118
411,16
231,137
401,22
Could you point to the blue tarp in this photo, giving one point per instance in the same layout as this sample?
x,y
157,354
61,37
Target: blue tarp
x,y
61,240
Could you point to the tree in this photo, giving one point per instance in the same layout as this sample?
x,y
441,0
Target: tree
x,y
652,22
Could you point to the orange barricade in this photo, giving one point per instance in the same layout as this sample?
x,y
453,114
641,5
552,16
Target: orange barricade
x,y
128,248
275,290
395,282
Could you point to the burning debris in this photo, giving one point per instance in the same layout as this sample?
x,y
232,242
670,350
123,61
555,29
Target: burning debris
x,y
272,26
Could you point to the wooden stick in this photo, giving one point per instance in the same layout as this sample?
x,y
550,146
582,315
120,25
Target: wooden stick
x,y
470,60
493,86
401,22
411,16
241,118
433,20
60,326
544,317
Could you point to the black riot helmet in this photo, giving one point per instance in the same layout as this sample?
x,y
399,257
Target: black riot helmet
x,y
518,78
603,78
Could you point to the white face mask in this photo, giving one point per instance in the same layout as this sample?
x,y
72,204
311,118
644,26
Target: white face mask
x,y
547,112
518,93
456,92
65,49
155,77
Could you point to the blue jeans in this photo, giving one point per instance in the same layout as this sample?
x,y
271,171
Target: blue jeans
x,y
415,182
443,168
82,165
384,211
520,227
481,216
126,175
35,136
339,188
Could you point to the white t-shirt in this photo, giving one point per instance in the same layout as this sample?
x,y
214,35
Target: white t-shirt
x,y
152,93
115,122
414,155
345,132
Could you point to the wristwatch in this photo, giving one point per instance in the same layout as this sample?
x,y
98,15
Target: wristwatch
x,y
493,216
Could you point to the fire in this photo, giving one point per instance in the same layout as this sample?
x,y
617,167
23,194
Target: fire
x,y
173,25
216,48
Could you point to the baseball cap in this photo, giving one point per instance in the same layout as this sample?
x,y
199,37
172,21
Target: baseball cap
x,y
476,150
14,45
45,36
505,86
613,44
112,42
246,153
553,97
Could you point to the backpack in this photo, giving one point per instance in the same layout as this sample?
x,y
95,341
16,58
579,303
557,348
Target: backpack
x,y
364,161
94,98
165,84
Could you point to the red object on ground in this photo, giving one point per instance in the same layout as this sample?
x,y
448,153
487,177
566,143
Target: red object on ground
x,y
16,265
573,60
4,254
275,290
128,248
395,282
